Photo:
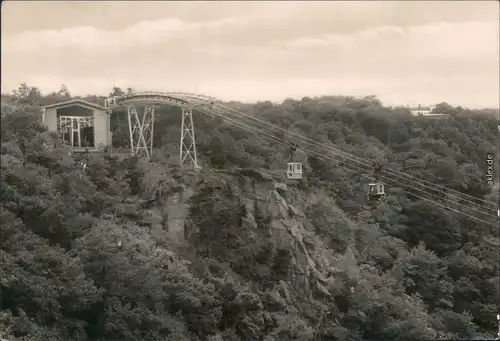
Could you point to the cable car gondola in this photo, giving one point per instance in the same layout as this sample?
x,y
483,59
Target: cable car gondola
x,y
294,169
376,190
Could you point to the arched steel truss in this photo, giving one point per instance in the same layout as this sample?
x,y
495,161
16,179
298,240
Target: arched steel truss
x,y
141,125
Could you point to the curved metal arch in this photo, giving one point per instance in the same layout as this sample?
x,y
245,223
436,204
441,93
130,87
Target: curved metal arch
x,y
192,96
141,126
173,98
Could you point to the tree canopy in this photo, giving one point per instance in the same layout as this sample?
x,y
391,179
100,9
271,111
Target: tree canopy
x,y
89,253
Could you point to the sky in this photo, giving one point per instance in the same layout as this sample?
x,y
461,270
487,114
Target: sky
x,y
405,53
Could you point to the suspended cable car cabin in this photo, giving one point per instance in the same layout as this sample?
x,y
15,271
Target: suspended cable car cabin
x,y
294,168
294,171
376,192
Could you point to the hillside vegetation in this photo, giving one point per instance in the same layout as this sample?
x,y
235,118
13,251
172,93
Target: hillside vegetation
x,y
90,254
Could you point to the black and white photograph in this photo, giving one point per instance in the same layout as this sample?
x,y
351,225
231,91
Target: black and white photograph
x,y
250,170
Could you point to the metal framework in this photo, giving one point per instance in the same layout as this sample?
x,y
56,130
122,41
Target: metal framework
x,y
141,125
141,130
70,129
187,151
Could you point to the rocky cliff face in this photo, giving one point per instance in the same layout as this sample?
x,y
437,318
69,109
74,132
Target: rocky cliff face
x,y
167,190
259,198
255,197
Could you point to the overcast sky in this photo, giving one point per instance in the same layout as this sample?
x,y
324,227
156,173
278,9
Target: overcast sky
x,y
403,52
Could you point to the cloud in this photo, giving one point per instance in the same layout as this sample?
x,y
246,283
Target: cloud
x,y
437,40
144,33
445,50
251,57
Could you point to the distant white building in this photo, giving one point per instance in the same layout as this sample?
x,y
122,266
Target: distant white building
x,y
422,111
425,111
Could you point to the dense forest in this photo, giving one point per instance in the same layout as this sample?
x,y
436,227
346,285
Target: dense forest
x,y
91,254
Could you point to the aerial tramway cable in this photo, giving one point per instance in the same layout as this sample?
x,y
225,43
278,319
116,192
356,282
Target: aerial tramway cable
x,y
392,172
361,160
413,181
320,156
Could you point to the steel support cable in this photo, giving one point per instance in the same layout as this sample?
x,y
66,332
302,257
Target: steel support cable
x,y
390,171
334,150
445,190
390,179
451,209
322,157
408,177
257,131
485,212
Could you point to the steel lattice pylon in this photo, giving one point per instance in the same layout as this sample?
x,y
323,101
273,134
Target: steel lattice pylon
x,y
188,143
141,130
141,125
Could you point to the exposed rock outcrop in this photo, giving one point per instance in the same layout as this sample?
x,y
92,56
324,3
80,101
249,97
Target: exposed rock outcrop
x,y
262,198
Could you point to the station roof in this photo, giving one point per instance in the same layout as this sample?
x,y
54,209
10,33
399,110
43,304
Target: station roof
x,y
74,102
